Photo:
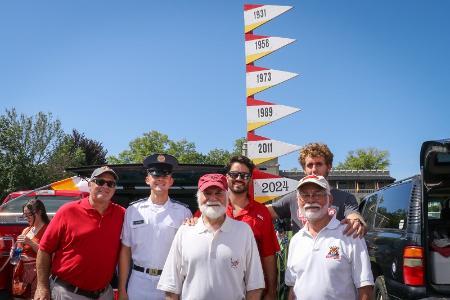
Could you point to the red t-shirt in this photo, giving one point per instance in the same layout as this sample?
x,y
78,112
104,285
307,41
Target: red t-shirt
x,y
257,216
85,244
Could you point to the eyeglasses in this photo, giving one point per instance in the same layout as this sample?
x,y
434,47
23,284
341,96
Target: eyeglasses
x,y
101,182
243,175
27,215
314,196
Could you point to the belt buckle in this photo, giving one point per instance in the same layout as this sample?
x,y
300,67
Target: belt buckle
x,y
153,272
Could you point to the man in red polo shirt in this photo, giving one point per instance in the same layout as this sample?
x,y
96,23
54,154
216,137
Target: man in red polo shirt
x,y
242,208
79,251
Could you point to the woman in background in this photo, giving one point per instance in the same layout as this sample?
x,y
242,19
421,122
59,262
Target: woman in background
x,y
24,274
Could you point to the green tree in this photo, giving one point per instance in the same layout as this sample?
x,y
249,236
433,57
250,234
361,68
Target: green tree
x,y
365,159
94,153
35,151
238,145
141,147
185,151
75,150
26,145
217,157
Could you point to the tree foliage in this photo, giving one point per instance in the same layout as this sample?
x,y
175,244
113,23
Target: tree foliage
x,y
26,145
35,151
365,159
93,151
186,152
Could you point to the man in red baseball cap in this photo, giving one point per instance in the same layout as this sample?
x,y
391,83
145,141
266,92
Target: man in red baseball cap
x,y
217,250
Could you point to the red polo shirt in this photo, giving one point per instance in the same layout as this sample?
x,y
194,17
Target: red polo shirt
x,y
85,243
258,217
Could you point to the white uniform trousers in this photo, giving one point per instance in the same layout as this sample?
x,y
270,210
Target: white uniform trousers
x,y
142,286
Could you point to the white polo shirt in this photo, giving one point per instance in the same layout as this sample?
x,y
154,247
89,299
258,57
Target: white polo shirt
x,y
330,266
205,265
149,229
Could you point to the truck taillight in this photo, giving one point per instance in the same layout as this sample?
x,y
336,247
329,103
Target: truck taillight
x,y
413,266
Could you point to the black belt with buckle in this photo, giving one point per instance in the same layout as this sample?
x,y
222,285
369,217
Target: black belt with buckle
x,y
76,290
153,272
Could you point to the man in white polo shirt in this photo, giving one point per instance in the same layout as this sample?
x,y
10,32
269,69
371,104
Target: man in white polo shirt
x,y
324,263
218,257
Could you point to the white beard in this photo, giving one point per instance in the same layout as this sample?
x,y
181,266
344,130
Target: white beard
x,y
314,215
213,212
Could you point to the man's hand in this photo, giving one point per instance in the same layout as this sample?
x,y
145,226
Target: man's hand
x,y
190,221
42,293
355,226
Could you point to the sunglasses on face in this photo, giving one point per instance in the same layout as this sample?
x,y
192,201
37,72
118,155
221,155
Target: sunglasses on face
x,y
243,175
101,182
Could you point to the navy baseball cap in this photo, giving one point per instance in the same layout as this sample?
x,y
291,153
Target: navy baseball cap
x,y
160,164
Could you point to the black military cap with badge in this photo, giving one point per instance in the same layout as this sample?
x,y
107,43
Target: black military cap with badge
x,y
160,165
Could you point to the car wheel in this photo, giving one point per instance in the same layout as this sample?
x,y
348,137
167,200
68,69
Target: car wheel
x,y
379,291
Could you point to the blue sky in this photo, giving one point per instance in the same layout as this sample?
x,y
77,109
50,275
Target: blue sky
x,y
372,73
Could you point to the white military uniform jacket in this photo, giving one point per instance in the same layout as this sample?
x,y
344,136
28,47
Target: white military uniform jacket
x,y
149,230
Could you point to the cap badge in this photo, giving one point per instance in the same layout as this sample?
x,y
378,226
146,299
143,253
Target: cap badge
x,y
161,158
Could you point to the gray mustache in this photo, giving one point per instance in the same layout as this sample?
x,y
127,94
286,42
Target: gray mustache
x,y
312,206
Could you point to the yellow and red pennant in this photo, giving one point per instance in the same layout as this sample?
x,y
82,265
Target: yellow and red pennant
x,y
75,183
256,15
260,113
257,46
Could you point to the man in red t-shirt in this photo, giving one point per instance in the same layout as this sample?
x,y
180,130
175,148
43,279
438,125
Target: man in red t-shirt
x,y
242,208
79,250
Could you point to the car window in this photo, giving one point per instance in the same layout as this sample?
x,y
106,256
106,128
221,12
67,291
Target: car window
x,y
393,205
369,209
438,207
52,203
434,208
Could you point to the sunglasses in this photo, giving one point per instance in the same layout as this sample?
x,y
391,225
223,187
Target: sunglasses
x,y
243,175
101,182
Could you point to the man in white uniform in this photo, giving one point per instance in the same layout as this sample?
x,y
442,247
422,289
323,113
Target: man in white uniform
x,y
148,230
324,263
218,257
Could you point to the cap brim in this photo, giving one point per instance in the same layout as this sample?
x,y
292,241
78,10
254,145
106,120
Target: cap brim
x,y
107,171
312,182
210,184
156,172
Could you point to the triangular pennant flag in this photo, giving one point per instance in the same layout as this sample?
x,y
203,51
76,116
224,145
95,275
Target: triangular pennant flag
x,y
260,113
257,46
259,79
256,15
261,149
75,183
267,186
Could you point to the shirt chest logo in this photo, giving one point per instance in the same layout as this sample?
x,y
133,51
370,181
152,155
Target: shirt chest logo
x,y
333,252
138,222
234,263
